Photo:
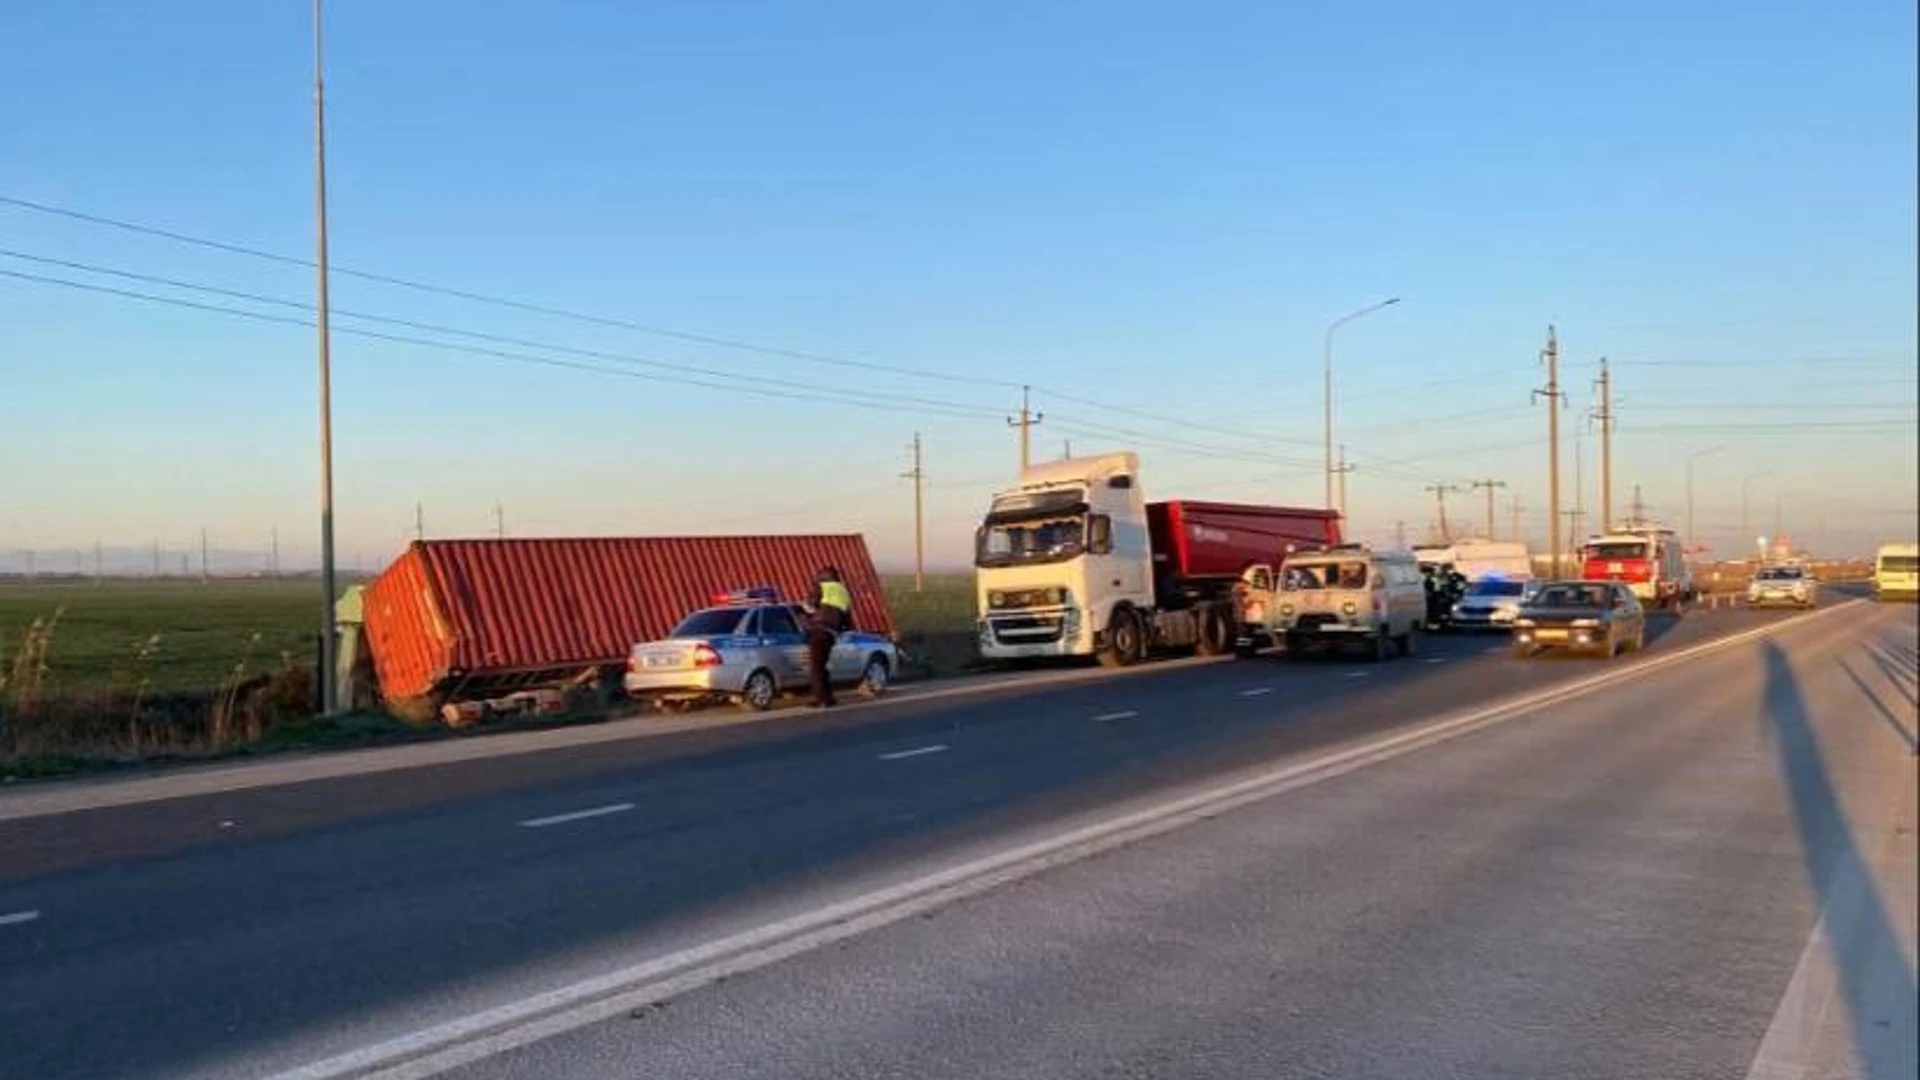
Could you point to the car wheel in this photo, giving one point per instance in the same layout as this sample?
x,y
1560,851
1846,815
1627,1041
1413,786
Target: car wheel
x,y
875,679
759,691
1410,641
1522,651
1639,639
1382,646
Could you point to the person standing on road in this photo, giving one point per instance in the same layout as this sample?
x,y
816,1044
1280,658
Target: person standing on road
x,y
832,615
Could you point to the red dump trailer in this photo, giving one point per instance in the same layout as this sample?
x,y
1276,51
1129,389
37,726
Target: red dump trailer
x,y
1195,542
455,620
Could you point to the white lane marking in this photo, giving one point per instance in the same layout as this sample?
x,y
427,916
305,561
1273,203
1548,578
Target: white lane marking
x,y
1110,717
17,917
577,815
1359,674
1256,691
915,752
435,1050
1434,660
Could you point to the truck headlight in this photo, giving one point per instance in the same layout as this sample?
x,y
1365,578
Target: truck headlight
x,y
1286,611
1349,607
996,599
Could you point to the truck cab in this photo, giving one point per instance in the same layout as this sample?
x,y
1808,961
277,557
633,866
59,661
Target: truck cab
x,y
1058,555
1647,559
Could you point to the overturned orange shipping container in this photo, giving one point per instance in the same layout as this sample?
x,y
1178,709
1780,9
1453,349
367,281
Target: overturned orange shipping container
x,y
455,619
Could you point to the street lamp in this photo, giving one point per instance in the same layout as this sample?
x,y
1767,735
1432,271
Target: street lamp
x,y
1327,358
1693,538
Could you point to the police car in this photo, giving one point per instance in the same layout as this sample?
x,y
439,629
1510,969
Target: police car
x,y
1491,603
750,647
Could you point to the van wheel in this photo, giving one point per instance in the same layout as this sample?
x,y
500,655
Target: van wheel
x,y
1216,633
1410,641
1382,647
1124,644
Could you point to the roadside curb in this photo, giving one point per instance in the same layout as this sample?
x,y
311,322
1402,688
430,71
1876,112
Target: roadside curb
x,y
52,797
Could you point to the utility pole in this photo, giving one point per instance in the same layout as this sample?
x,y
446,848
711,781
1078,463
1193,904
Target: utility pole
x,y
1340,472
1603,413
205,574
1639,507
273,553
1577,517
1551,357
1440,500
185,564
329,692
420,521
1066,448
918,475
1400,535
1514,510
156,556
1025,422
1489,485
499,521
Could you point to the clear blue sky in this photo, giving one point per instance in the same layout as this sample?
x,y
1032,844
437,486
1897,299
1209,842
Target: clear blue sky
x,y
1155,207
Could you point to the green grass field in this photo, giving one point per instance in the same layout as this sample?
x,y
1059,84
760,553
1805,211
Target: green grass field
x,y
194,634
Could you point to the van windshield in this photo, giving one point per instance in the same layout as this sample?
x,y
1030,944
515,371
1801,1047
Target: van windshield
x,y
1298,577
1900,564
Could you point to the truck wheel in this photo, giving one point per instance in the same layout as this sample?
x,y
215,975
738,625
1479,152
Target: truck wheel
x,y
1124,644
1216,633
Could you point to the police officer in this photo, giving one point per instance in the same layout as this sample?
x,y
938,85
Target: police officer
x,y
832,616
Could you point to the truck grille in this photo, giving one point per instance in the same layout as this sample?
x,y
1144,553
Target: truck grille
x,y
1316,620
1027,629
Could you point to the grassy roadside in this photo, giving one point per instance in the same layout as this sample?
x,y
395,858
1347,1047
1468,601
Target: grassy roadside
x,y
134,673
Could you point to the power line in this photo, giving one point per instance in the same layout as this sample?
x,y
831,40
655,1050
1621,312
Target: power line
x,y
567,313
494,300
833,397
440,328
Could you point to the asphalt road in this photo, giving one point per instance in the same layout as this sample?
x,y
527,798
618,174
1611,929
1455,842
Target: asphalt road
x,y
1623,884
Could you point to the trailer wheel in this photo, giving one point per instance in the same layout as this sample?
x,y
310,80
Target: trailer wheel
x,y
1124,640
1216,633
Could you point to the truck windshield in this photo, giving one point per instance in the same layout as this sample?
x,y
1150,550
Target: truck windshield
x,y
1047,539
1616,551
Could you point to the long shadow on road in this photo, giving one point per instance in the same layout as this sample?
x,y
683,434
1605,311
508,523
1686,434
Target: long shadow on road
x,y
1873,976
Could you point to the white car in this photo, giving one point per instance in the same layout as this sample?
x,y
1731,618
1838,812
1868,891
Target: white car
x,y
1781,585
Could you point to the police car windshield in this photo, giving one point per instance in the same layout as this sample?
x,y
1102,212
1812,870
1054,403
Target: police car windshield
x,y
1496,588
713,622
1779,573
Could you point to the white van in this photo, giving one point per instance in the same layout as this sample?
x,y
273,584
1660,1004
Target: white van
x,y
1896,572
1348,595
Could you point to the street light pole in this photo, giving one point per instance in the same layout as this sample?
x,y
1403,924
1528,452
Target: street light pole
x,y
329,692
1693,538
1326,356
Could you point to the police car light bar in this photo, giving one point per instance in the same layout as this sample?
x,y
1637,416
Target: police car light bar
x,y
763,594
